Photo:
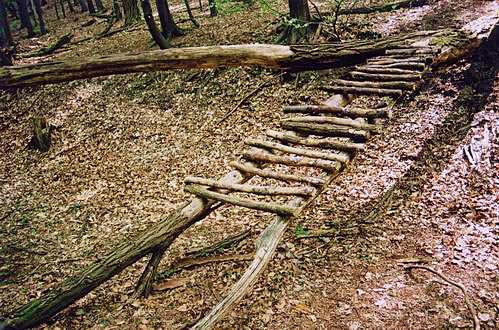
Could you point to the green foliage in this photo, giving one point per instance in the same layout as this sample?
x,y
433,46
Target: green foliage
x,y
228,7
300,231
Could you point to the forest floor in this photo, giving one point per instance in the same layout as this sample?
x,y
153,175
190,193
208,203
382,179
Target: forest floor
x,y
122,146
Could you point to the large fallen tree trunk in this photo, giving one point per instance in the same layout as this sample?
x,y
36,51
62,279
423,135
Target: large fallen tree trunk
x,y
383,8
298,57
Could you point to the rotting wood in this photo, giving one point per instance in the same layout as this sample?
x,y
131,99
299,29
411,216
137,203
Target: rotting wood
x,y
387,84
368,69
250,169
399,65
327,130
296,57
347,111
384,77
385,60
325,143
41,134
340,157
244,202
363,90
251,189
335,121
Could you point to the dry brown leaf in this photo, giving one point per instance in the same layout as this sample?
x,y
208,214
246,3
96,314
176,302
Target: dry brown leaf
x,y
171,284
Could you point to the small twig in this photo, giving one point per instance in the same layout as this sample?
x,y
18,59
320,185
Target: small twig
x,y
471,307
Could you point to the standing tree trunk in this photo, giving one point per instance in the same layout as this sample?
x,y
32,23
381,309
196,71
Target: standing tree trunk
x,y
83,6
91,7
168,27
100,6
189,12
213,8
4,25
70,6
39,13
160,40
117,11
132,13
22,5
61,2
299,25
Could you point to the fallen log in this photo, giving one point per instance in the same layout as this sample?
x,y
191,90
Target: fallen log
x,y
327,130
340,157
65,39
250,169
383,8
363,90
387,84
292,160
335,121
248,203
251,189
296,57
350,112
324,143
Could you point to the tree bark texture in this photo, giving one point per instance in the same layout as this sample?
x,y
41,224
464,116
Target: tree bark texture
x,y
6,34
168,27
22,6
39,13
131,11
160,40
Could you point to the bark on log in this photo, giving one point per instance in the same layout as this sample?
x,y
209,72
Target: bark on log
x,y
410,51
385,60
368,69
251,189
334,121
363,90
350,112
400,65
316,182
325,143
340,157
384,77
387,84
327,130
248,203
297,57
384,8
292,161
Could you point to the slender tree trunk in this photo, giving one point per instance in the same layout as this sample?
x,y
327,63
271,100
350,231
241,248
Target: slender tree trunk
x,y
100,6
132,13
168,27
117,11
22,5
70,6
299,11
160,40
189,12
4,25
213,8
56,10
83,6
61,2
91,7
32,12
39,12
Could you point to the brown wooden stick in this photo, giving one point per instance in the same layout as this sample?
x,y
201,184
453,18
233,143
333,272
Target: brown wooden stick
x,y
292,160
385,84
251,189
350,112
246,168
248,203
328,232
327,130
220,245
467,300
410,51
297,151
401,65
385,60
325,143
370,69
384,77
335,121
362,90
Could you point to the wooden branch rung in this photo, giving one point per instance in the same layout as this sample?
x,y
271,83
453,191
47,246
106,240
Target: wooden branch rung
x,y
316,182
331,166
328,130
410,51
350,112
335,121
368,84
370,69
297,151
363,90
248,203
325,143
385,60
401,65
384,77
251,189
